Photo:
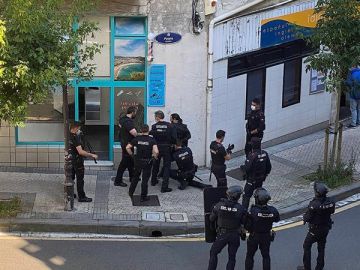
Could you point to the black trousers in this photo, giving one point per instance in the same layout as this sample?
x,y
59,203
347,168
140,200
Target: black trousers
x,y
165,155
232,240
258,241
78,171
248,146
144,168
318,236
126,163
249,191
220,175
175,174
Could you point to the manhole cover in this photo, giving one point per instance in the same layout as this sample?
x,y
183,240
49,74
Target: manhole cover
x,y
153,216
176,217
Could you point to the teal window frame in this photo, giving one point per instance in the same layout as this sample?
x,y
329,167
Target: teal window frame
x,y
107,82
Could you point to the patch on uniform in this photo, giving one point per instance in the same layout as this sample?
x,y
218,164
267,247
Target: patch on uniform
x,y
238,174
154,201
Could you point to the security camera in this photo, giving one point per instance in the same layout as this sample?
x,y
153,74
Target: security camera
x,y
213,3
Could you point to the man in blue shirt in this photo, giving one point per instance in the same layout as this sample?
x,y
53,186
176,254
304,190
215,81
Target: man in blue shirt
x,y
353,83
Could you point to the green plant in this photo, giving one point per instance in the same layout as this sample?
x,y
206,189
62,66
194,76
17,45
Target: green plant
x,y
334,176
10,208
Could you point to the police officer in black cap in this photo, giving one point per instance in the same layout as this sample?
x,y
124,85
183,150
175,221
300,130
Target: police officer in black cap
x,y
229,217
186,168
257,167
182,131
144,149
218,157
255,125
318,215
259,225
78,153
126,134
165,136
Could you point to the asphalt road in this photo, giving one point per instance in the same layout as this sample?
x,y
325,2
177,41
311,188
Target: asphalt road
x,y
19,253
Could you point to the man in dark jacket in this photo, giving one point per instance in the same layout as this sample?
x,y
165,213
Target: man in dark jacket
x,y
182,131
165,136
228,216
318,215
255,125
126,134
257,167
259,224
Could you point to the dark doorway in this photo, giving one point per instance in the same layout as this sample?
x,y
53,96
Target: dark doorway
x,y
344,107
94,113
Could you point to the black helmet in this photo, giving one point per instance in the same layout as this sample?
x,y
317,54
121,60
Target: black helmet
x,y
320,189
261,196
234,192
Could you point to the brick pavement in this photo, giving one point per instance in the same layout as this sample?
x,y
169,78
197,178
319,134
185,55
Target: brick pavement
x,y
291,161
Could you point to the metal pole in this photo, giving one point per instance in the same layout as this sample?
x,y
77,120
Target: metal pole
x,y
326,147
68,182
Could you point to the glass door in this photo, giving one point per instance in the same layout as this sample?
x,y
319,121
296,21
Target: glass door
x,y
94,114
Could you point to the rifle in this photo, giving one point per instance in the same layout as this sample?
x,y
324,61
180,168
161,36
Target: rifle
x,y
91,150
88,145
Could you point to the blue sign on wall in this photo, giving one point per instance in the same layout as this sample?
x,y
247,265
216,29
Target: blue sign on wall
x,y
156,89
168,38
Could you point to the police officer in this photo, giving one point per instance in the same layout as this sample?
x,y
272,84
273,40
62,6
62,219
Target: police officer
x,y
78,153
257,167
182,130
259,224
126,134
318,215
218,156
186,168
255,125
143,148
229,216
165,136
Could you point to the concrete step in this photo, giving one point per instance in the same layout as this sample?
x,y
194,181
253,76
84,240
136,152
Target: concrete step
x,y
101,165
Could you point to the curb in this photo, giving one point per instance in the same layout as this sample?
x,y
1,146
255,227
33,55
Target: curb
x,y
142,228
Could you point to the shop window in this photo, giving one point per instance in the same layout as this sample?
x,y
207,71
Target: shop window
x,y
129,60
292,82
255,88
44,121
124,98
130,49
126,26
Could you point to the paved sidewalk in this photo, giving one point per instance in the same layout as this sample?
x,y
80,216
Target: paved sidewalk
x,y
42,189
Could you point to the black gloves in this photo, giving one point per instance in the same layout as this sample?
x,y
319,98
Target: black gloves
x,y
230,148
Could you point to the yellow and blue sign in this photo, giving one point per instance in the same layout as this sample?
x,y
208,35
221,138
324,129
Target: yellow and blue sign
x,y
283,29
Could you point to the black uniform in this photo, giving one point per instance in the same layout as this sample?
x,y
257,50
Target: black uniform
x,y
259,225
218,166
77,163
318,216
126,125
142,148
256,120
186,168
182,132
229,216
257,167
165,136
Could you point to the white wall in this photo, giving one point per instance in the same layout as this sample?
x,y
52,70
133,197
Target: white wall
x,y
229,98
102,37
185,87
41,132
228,111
